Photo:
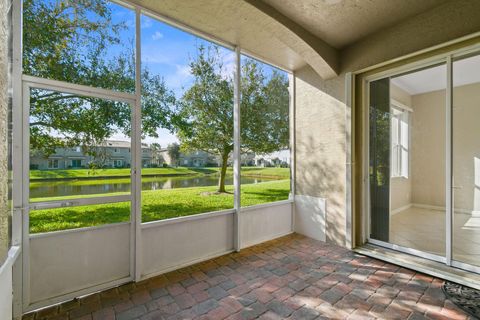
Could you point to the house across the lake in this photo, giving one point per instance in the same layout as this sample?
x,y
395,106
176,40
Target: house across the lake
x,y
117,154
111,154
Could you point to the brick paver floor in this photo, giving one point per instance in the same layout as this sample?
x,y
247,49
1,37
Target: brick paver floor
x,y
293,277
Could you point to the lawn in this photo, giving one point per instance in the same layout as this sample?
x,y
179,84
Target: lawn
x,y
278,173
157,205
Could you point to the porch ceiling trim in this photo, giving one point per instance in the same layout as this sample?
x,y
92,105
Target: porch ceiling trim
x,y
322,57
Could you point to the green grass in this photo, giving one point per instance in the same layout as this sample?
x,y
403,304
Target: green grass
x,y
279,173
157,205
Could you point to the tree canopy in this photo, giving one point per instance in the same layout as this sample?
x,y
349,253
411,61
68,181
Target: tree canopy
x,y
69,41
206,109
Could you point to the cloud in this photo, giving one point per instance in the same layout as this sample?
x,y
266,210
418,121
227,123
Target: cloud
x,y
228,61
180,78
146,22
157,35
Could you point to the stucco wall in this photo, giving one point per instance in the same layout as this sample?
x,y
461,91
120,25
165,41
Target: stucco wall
x,y
4,212
320,147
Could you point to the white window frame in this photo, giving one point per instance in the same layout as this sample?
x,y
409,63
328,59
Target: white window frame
x,y
399,168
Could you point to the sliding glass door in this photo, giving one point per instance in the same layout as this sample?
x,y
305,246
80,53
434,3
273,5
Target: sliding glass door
x,y
466,160
424,160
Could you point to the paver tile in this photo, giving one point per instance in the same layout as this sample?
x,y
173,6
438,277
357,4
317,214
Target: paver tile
x,y
291,277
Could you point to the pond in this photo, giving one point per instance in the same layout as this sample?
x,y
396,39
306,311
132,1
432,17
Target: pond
x,y
61,187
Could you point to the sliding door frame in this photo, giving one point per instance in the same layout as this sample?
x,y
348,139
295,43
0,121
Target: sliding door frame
x,y
447,59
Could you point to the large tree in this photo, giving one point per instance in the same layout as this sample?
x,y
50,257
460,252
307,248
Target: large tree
x,y
71,41
206,109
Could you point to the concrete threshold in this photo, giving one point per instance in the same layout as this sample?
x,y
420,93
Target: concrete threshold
x,y
433,268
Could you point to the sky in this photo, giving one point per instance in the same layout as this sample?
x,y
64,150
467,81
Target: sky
x,y
167,51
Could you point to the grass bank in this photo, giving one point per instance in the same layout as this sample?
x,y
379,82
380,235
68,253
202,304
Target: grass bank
x,y
157,205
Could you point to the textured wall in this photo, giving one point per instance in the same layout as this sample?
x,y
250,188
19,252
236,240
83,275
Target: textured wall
x,y
4,211
320,146
444,23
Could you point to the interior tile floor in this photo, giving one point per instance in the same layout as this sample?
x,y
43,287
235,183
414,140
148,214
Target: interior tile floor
x,y
424,229
293,277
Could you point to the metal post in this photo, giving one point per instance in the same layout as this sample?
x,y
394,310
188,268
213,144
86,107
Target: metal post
x,y
291,118
137,154
448,168
17,156
349,92
236,150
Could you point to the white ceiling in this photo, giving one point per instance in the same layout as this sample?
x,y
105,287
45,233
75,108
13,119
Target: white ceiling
x,y
466,71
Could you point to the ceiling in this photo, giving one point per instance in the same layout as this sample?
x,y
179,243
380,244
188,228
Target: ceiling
x,y
465,72
291,34
232,21
343,22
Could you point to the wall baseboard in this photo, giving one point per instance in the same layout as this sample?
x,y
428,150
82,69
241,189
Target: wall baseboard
x,y
408,206
475,214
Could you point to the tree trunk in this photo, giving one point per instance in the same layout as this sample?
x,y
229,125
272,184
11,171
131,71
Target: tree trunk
x,y
223,172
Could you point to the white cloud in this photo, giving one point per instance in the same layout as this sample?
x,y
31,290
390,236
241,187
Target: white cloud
x,y
180,78
228,65
157,35
146,22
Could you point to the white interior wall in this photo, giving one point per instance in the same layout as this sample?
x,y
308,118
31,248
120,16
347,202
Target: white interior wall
x,y
466,147
426,183
428,149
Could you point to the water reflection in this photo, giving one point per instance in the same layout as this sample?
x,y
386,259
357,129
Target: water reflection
x,y
98,186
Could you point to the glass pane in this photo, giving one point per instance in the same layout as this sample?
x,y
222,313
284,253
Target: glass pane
x,y
466,160
79,146
265,152
417,192
82,42
379,144
187,123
